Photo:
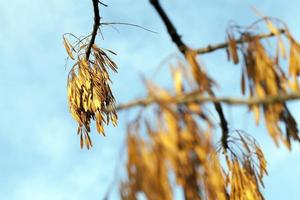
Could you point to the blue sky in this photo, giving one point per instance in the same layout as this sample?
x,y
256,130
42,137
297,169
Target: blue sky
x,y
40,156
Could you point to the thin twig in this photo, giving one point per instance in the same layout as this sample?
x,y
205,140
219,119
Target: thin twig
x,y
211,48
95,28
128,24
103,4
194,97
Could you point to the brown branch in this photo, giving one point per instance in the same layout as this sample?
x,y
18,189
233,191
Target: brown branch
x,y
183,48
95,28
224,125
211,48
176,38
195,97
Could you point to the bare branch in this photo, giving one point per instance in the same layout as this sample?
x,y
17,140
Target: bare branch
x,y
127,24
183,48
176,38
95,28
211,48
194,97
103,4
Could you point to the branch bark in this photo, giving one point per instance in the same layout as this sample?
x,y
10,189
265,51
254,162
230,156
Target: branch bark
x,y
95,28
183,48
211,48
176,38
195,97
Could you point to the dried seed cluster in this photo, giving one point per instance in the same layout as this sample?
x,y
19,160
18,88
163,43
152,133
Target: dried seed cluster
x,y
89,93
246,167
177,144
263,75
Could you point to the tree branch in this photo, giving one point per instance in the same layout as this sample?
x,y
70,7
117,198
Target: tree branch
x,y
95,28
211,48
183,48
195,97
176,38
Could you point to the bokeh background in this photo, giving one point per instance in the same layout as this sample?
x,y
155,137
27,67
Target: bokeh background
x,y
40,158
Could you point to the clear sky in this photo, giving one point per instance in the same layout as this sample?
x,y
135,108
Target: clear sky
x,y
40,158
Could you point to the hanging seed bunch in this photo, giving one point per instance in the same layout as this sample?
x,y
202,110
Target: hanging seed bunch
x,y
246,167
89,93
174,143
176,146
264,74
